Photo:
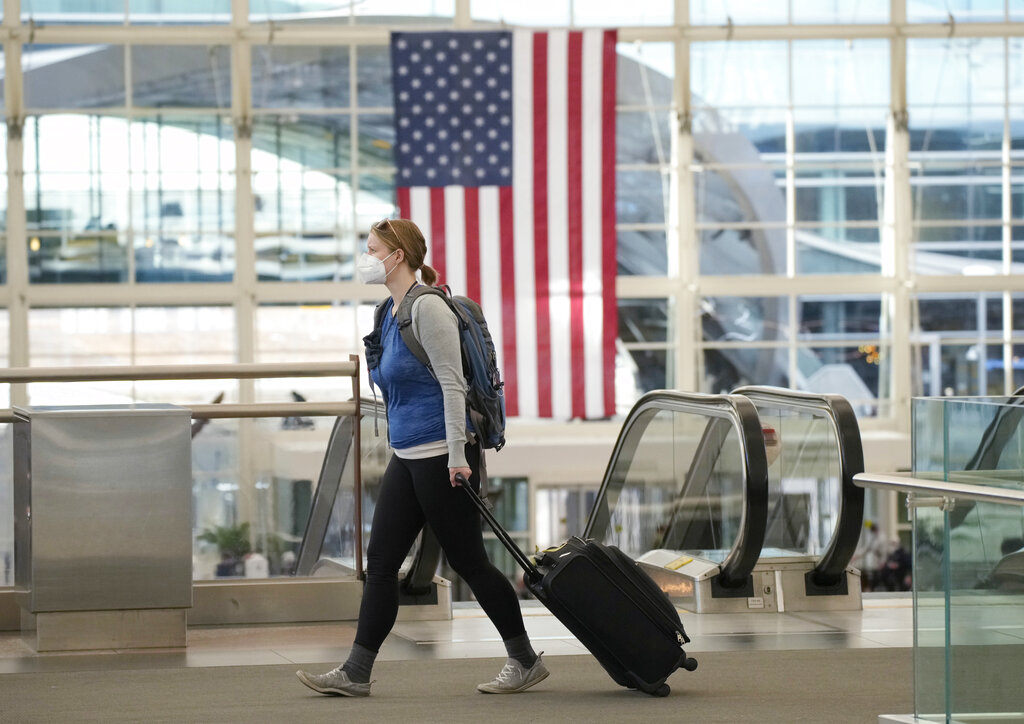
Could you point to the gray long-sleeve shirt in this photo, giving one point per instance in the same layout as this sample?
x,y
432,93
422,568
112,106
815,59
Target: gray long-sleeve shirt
x,y
437,330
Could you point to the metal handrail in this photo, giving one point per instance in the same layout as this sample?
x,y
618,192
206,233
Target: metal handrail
x,y
241,371
229,410
940,488
129,373
741,415
838,411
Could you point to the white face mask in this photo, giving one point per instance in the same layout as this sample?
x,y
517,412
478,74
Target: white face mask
x,y
371,270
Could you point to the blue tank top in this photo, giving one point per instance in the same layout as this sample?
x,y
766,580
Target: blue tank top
x,y
415,404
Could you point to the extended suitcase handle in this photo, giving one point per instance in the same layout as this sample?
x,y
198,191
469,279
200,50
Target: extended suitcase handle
x,y
499,530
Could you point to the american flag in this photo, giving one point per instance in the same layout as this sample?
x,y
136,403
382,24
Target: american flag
x,y
505,149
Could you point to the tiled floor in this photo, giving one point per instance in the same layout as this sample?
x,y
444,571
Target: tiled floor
x,y
885,621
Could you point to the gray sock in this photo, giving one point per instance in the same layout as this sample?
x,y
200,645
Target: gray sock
x,y
519,648
359,664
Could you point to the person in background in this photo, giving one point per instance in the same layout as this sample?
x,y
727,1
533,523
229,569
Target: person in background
x,y
427,430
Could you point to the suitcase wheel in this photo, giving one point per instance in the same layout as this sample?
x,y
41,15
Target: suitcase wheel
x,y
663,690
690,664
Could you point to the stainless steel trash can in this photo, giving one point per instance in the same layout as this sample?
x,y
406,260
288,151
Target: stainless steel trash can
x,y
103,525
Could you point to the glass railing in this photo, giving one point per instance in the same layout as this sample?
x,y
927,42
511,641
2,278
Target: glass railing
x,y
814,449
249,510
966,495
687,473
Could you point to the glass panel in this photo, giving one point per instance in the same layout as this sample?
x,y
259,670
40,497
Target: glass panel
x,y
839,12
745,12
834,73
643,137
640,371
561,512
958,192
3,205
726,368
1017,304
838,250
302,333
76,184
966,561
743,132
642,196
853,372
375,201
804,481
742,251
736,74
300,76
644,12
967,11
302,199
962,369
642,253
653,499
340,11
644,74
73,76
644,320
181,76
374,82
834,195
740,195
178,11
79,257
183,198
830,318
376,139
842,130
955,94
64,11
554,13
960,312
6,505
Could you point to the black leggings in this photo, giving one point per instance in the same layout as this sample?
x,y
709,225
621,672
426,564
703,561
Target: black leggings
x,y
414,492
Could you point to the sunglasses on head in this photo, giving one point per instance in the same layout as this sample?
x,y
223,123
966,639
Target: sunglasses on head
x,y
382,222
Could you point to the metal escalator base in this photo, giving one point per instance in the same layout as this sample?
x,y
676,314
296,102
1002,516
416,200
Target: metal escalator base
x,y
776,585
434,604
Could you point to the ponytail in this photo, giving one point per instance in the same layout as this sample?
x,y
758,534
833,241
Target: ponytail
x,y
429,275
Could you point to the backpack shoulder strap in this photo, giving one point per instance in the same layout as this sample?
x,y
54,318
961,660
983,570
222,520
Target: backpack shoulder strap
x,y
403,318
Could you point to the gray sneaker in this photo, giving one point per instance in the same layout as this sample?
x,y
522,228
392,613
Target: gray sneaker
x,y
514,678
334,681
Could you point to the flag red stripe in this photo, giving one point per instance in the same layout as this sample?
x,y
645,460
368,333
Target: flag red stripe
x,y
610,241
437,233
575,203
471,204
510,370
404,204
540,221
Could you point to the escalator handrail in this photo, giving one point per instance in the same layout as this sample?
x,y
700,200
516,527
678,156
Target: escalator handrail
x,y
339,446
735,570
832,565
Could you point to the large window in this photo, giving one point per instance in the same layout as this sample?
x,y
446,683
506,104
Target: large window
x,y
196,190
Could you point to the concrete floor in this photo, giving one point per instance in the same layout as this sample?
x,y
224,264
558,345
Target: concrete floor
x,y
885,621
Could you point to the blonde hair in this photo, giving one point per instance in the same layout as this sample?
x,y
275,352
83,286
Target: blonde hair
x,y
405,235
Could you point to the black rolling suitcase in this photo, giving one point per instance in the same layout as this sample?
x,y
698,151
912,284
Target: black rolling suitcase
x,y
606,600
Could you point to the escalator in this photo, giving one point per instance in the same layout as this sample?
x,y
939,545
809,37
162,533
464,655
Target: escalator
x,y
693,495
815,511
326,548
686,494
